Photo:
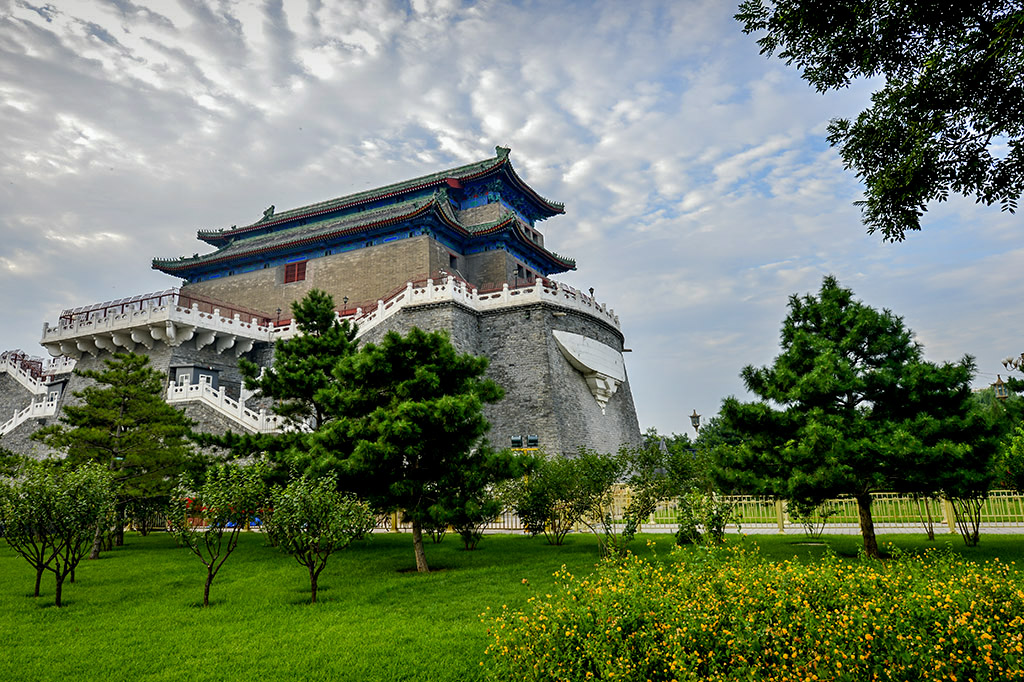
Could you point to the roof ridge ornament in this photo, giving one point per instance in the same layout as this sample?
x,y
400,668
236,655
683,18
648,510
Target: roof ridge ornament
x,y
502,152
269,213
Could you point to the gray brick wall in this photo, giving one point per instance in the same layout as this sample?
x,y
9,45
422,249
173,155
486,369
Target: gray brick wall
x,y
544,394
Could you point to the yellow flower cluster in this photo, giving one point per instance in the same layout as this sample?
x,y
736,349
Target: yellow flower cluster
x,y
731,615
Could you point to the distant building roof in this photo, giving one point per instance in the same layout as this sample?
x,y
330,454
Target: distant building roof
x,y
454,178
422,202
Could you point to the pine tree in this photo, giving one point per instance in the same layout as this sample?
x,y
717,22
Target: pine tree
x,y
407,419
859,412
124,425
302,370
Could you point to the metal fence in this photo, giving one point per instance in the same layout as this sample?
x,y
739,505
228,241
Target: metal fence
x,y
890,512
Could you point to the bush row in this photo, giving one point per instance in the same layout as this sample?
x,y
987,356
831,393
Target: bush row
x,y
729,614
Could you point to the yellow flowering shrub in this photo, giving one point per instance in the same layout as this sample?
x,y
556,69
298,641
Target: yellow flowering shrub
x,y
729,614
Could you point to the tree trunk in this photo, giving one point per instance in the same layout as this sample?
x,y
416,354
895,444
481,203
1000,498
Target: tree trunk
x,y
931,523
867,526
119,525
39,579
417,545
60,584
206,589
313,575
97,541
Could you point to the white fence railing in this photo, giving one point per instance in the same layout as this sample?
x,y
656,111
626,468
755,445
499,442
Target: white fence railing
x,y
14,366
35,410
258,421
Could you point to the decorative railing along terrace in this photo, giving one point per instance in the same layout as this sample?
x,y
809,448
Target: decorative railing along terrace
x,y
159,299
259,421
174,317
35,410
33,373
449,287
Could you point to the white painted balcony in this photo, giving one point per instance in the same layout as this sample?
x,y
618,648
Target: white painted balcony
x,y
169,323
14,365
158,318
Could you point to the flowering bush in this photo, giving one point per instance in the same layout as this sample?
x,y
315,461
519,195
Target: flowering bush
x,y
728,614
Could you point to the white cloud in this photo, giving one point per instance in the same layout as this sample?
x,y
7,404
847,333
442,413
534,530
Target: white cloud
x,y
699,191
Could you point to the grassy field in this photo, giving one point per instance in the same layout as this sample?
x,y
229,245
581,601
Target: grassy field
x,y
135,613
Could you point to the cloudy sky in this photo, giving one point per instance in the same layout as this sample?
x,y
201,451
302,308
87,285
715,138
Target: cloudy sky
x,y
699,190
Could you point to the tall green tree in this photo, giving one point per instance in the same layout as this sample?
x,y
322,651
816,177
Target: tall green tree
x,y
949,115
406,413
124,425
849,407
301,373
303,364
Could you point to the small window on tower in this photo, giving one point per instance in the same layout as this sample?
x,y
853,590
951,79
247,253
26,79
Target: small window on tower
x,y
453,262
295,272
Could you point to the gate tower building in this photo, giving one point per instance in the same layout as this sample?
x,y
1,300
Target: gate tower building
x,y
459,250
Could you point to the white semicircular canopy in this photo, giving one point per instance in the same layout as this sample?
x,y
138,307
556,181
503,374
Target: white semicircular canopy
x,y
601,365
588,355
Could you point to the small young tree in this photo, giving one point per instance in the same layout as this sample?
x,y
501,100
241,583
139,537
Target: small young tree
x,y
311,520
1012,464
22,505
564,491
49,514
208,518
124,425
469,499
84,499
647,473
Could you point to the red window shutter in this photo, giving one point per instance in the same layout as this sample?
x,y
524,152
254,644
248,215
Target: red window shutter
x,y
294,272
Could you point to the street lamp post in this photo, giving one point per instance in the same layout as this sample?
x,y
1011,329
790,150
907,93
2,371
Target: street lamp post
x,y
695,422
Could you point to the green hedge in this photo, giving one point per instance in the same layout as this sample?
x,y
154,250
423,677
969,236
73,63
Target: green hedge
x,y
729,614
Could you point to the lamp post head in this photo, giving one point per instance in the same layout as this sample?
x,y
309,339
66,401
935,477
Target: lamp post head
x,y
1002,393
695,421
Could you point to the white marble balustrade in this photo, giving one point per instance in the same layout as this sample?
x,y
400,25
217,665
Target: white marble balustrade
x,y
35,410
258,421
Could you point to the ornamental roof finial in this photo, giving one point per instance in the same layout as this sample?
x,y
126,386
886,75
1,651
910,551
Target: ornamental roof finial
x,y
502,151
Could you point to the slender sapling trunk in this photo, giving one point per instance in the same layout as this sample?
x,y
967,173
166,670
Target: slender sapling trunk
x,y
97,542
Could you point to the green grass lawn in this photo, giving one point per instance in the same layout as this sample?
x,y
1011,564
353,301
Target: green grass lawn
x,y
135,613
